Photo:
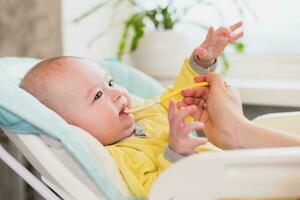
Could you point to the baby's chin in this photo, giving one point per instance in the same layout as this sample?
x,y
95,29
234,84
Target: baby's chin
x,y
127,123
130,125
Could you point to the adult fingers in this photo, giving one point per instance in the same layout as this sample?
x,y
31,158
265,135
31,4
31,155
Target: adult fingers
x,y
194,95
198,114
215,81
196,91
189,100
188,92
204,116
201,92
231,89
200,78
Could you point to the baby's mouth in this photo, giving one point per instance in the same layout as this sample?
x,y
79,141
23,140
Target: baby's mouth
x,y
123,107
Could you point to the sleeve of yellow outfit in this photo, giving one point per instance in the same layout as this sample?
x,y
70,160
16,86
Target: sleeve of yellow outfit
x,y
189,70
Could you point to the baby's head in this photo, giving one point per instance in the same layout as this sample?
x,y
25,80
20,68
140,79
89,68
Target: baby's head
x,y
85,96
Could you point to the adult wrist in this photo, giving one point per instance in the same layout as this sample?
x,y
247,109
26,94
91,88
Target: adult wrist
x,y
243,134
235,137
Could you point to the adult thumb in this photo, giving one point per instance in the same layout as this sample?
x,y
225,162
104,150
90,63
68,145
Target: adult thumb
x,y
215,81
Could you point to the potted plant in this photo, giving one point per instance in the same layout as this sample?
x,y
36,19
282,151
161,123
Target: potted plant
x,y
150,38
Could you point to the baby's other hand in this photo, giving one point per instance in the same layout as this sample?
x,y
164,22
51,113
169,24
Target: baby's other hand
x,y
215,43
180,139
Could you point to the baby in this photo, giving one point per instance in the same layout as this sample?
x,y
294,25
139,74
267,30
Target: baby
x,y
145,143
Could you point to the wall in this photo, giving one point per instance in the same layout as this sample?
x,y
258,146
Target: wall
x,y
76,36
30,28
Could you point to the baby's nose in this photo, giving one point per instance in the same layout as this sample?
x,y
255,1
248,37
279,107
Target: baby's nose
x,y
116,94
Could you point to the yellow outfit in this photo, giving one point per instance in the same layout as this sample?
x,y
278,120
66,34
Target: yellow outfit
x,y
141,159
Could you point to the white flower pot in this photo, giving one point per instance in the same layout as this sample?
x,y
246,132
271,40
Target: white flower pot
x,y
160,54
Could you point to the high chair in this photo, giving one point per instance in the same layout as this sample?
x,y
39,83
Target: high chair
x,y
76,166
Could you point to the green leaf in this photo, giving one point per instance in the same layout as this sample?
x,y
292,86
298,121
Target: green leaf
x,y
136,22
167,19
122,43
151,14
226,65
239,47
138,26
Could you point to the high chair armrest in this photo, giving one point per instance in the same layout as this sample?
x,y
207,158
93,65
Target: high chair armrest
x,y
287,121
237,174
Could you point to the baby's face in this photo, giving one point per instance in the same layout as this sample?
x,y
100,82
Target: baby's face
x,y
89,99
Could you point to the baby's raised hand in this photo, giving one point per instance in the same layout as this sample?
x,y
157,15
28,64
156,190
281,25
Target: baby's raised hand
x,y
215,43
180,139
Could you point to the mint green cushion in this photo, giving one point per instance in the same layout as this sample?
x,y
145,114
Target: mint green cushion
x,y
135,81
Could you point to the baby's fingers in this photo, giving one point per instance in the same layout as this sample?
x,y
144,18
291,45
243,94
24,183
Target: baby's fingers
x,y
172,110
236,37
196,141
192,126
235,26
210,34
180,117
181,105
224,31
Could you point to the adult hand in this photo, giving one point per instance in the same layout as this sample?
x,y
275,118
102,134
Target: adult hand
x,y
195,96
222,113
225,125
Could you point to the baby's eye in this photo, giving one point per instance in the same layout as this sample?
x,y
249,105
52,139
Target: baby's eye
x,y
98,95
111,83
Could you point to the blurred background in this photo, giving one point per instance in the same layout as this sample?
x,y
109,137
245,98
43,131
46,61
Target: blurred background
x,y
155,36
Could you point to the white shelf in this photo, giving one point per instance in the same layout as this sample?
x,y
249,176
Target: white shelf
x,y
268,92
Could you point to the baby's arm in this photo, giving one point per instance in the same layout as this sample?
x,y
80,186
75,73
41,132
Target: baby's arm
x,y
204,57
215,43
